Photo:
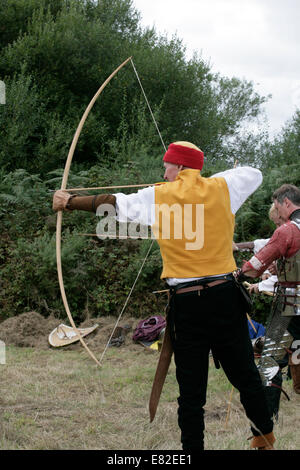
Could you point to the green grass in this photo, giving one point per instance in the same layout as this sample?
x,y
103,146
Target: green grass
x,y
58,399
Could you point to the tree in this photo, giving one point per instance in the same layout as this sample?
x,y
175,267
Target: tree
x,y
67,49
15,15
285,150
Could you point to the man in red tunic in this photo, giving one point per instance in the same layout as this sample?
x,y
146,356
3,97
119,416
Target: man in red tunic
x,y
283,246
285,242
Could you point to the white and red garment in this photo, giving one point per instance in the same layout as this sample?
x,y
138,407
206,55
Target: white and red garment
x,y
284,243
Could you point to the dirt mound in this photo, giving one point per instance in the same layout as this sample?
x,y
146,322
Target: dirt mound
x,y
31,329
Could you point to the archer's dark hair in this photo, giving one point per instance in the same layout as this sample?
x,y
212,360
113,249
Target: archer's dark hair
x,y
288,191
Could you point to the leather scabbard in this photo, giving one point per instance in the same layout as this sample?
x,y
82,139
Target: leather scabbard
x,y
161,373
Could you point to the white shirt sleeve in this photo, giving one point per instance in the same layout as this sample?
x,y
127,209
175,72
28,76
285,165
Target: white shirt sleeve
x,y
241,182
268,284
259,244
137,207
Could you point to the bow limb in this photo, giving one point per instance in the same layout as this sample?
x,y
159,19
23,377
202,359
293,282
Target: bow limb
x,y
59,214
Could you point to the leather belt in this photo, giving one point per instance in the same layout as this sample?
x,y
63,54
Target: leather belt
x,y
200,287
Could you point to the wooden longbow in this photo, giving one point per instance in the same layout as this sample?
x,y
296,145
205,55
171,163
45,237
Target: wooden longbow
x,y
59,214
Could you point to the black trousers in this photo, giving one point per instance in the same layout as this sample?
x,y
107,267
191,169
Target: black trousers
x,y
214,320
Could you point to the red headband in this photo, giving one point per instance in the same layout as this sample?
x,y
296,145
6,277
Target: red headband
x,y
186,156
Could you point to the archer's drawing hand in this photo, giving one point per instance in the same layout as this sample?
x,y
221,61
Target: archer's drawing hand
x,y
60,200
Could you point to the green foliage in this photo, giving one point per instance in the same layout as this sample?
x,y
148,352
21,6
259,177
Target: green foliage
x,y
23,203
285,150
252,218
24,123
97,274
54,56
262,307
15,15
54,63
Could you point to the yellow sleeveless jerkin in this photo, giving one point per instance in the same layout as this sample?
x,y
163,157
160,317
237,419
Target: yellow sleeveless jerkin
x,y
194,226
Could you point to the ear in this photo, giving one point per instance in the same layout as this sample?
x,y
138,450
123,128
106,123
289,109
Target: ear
x,y
287,201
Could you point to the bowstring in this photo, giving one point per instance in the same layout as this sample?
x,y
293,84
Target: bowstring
x,y
148,104
151,245
127,300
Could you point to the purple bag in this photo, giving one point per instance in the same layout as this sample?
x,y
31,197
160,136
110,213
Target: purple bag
x,y
149,329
